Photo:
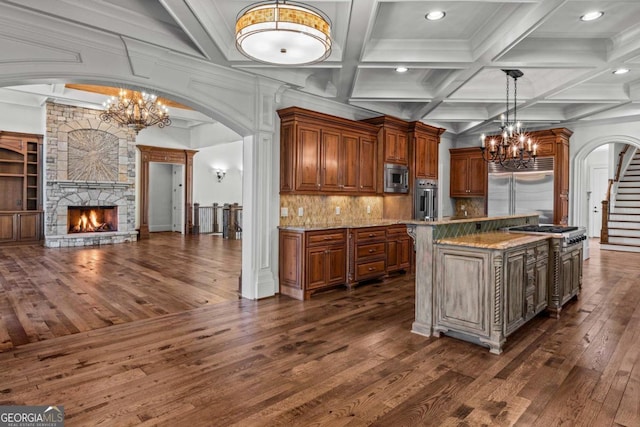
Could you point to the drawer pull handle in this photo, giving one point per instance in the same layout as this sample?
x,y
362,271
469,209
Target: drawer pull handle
x,y
371,268
371,251
372,235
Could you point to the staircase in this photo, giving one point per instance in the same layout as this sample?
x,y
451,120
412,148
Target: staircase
x,y
624,217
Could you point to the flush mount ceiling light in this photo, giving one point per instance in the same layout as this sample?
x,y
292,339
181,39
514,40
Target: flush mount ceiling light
x,y
402,69
621,71
283,33
435,15
591,16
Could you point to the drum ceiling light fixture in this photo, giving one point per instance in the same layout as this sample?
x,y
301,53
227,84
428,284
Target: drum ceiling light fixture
x,y
283,33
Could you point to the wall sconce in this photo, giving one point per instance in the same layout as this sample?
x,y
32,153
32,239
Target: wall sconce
x,y
220,174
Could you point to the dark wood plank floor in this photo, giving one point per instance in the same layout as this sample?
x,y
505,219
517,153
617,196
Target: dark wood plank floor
x,y
47,293
345,358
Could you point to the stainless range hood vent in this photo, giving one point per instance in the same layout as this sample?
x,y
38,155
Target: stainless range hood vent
x,y
542,164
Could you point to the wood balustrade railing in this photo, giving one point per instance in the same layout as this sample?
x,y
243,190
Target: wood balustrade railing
x,y
604,230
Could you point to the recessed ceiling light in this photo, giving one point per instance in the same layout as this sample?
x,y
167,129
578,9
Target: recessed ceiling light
x,y
435,15
591,16
621,71
402,69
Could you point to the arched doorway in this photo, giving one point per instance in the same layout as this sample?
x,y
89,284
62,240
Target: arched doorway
x,y
582,201
240,114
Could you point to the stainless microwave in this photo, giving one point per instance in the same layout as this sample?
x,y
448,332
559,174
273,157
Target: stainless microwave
x,y
396,178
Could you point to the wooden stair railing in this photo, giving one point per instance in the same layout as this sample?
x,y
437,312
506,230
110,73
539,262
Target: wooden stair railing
x,y
604,230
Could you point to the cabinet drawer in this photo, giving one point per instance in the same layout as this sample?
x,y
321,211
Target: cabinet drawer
x,y
542,251
378,233
370,269
371,250
394,231
315,238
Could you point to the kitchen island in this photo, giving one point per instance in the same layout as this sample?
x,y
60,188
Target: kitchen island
x,y
489,285
426,235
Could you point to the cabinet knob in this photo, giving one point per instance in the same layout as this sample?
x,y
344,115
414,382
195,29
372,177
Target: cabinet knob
x,y
371,268
371,235
371,250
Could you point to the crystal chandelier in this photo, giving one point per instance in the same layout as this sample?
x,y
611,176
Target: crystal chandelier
x,y
135,110
283,33
513,149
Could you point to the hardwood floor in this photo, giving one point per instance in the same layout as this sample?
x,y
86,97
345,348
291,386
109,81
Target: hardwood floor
x,y
344,358
47,293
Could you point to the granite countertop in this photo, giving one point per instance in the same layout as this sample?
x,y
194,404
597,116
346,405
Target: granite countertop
x,y
460,220
493,240
312,227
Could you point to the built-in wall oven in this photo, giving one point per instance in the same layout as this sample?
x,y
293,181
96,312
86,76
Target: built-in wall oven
x,y
425,200
396,178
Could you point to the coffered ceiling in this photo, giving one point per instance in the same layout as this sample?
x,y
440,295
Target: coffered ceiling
x,y
454,76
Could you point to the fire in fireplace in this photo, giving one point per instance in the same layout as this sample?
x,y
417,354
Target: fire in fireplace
x,y
92,219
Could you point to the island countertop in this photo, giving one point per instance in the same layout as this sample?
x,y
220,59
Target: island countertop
x,y
462,220
492,240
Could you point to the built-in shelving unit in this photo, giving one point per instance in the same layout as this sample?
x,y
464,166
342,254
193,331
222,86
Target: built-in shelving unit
x,y
20,187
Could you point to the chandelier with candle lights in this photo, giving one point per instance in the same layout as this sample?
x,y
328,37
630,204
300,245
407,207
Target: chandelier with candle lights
x,y
512,149
135,110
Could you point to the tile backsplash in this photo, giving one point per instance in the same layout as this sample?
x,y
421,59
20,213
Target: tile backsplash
x,y
473,205
323,209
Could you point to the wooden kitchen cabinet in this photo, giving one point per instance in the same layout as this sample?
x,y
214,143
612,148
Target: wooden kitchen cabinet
x,y
425,141
322,154
369,253
315,260
367,165
311,261
308,160
399,248
392,139
468,173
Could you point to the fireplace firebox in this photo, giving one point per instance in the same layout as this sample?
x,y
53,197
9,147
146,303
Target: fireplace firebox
x,y
92,219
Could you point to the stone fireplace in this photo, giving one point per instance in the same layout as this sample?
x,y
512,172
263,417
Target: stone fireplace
x,y
90,166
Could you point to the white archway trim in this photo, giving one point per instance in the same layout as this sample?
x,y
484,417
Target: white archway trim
x,y
578,197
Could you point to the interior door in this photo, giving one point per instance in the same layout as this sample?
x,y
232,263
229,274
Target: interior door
x,y
178,199
599,183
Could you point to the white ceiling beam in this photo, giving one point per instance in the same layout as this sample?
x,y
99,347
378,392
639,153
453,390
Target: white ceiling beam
x,y
181,11
109,18
361,20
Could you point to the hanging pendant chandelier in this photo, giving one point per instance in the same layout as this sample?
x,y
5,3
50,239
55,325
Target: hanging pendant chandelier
x,y
283,33
135,110
512,149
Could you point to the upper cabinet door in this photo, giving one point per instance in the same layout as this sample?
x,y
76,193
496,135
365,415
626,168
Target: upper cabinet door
x,y
477,177
308,165
458,176
395,146
367,166
331,153
426,157
349,162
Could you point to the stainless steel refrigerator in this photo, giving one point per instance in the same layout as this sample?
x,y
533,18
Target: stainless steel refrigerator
x,y
514,193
